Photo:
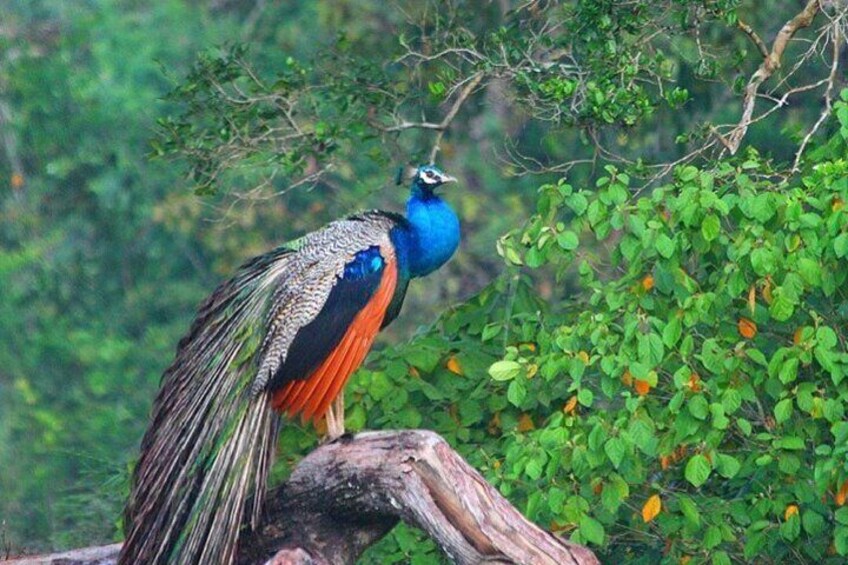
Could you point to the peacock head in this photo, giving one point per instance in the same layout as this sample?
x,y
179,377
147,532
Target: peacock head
x,y
427,178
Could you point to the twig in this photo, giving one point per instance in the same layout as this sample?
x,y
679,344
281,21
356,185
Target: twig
x,y
457,104
404,125
828,98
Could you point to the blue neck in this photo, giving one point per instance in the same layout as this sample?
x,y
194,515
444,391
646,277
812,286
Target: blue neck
x,y
434,233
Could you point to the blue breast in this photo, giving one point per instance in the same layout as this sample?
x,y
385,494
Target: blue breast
x,y
434,234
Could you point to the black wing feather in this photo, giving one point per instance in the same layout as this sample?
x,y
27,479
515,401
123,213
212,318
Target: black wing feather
x,y
317,339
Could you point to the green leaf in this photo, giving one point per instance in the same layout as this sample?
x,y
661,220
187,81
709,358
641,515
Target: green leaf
x,y
585,397
687,173
578,203
699,407
689,510
711,227
789,371
840,245
712,537
672,331
713,356
642,436
615,450
782,306
788,464
568,240
760,208
355,418
516,393
505,370
380,385
591,530
720,420
791,442
834,410
762,261
721,558
813,522
826,337
783,410
727,466
639,370
614,493
731,400
697,470
756,356
791,528
810,271
650,349
763,460
665,245
840,540
533,469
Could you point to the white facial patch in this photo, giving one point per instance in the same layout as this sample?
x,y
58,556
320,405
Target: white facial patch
x,y
430,177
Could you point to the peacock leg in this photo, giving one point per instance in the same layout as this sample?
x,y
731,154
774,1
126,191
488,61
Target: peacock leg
x,y
330,424
335,418
340,416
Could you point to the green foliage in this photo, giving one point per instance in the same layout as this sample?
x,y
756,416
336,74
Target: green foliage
x,y
750,417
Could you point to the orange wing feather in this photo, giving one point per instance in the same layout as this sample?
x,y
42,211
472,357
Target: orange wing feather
x,y
313,395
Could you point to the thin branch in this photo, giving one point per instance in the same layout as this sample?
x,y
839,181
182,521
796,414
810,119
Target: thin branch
x,y
405,125
761,46
446,122
828,97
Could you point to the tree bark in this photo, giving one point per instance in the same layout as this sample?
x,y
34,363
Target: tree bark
x,y
349,493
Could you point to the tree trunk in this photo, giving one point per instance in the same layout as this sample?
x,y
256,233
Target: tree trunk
x,y
347,494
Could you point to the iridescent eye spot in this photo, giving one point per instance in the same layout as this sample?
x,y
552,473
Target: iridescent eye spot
x,y
375,264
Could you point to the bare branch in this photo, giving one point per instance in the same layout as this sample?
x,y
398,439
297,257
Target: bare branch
x,y
404,125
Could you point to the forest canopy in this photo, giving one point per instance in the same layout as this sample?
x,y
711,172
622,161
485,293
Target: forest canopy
x,y
641,343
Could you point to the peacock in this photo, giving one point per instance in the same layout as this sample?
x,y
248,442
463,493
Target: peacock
x,y
280,337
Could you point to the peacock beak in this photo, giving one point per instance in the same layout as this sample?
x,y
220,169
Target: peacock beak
x,y
447,178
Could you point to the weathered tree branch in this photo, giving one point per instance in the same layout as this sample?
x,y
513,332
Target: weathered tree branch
x,y
346,495
771,62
